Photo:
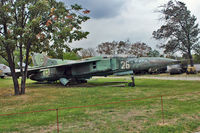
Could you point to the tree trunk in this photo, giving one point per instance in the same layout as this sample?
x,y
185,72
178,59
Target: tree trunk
x,y
21,67
191,60
23,85
16,84
24,76
23,70
12,69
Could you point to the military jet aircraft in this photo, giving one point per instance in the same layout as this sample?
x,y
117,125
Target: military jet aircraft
x,y
4,70
78,71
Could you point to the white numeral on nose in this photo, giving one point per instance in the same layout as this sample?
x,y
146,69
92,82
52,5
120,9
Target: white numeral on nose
x,y
125,65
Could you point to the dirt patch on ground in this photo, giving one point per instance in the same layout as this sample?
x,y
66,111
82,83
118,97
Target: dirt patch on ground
x,y
5,92
41,129
184,97
132,119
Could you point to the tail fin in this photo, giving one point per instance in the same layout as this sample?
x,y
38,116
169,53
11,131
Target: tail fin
x,y
39,59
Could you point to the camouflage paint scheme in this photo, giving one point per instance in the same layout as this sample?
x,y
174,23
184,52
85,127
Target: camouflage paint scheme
x,y
78,71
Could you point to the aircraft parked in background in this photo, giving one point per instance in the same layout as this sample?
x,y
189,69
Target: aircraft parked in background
x,y
4,70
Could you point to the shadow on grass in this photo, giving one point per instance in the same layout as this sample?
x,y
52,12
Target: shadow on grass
x,y
89,84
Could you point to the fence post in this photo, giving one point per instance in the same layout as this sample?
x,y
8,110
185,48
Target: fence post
x,y
162,108
57,121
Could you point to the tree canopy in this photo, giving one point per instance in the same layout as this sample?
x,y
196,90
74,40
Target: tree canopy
x,y
138,49
89,52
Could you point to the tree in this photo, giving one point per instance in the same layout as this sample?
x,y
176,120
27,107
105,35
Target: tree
x,y
67,54
154,53
37,26
139,49
180,31
89,52
113,48
123,47
107,48
197,55
3,61
71,56
196,58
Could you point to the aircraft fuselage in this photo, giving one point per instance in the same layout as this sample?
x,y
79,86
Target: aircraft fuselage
x,y
104,66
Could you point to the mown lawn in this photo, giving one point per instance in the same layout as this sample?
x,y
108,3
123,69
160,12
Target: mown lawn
x,y
181,112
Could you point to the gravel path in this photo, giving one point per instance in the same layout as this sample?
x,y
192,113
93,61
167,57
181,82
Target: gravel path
x,y
169,78
155,77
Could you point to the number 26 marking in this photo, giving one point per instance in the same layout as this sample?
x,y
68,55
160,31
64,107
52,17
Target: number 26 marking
x,y
125,65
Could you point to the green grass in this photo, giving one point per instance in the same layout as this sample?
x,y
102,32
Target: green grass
x,y
181,112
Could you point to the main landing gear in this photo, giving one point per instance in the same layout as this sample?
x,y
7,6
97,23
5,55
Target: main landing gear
x,y
132,84
66,82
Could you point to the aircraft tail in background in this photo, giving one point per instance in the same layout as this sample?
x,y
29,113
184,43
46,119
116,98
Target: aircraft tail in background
x,y
39,59
4,70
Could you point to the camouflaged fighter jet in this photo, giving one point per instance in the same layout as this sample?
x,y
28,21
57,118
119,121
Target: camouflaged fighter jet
x,y
78,71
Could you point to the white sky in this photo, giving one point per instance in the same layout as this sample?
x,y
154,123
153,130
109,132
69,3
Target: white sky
x,y
128,19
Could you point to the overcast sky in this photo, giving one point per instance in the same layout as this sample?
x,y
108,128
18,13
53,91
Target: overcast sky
x,y
124,19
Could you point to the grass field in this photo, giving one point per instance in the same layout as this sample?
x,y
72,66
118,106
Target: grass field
x,y
181,112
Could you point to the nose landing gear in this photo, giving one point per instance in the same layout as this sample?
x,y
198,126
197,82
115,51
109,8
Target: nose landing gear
x,y
132,84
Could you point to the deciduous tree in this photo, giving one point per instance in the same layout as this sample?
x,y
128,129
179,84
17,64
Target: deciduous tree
x,y
107,48
113,48
179,31
139,49
37,26
154,53
89,52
